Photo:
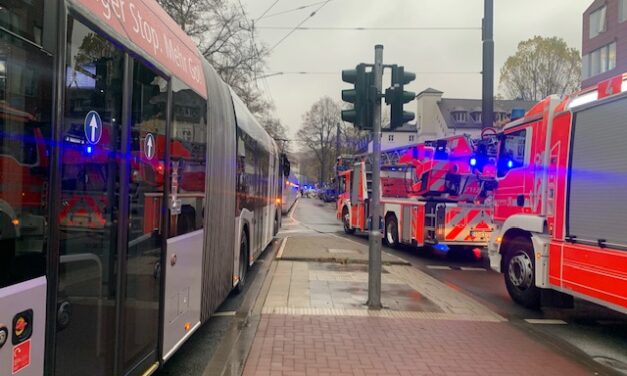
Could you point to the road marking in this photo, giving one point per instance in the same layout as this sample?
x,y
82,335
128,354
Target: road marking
x,y
281,248
293,231
292,210
546,321
439,267
472,269
224,313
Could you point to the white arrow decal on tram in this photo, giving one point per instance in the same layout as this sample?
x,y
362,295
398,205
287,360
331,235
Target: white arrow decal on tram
x,y
149,144
93,124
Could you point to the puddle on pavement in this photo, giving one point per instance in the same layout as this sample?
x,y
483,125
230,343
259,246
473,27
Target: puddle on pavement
x,y
334,267
351,295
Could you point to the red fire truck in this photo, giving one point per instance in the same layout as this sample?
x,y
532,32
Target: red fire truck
x,y
559,206
433,193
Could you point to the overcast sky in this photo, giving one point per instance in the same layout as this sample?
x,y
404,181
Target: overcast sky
x,y
418,51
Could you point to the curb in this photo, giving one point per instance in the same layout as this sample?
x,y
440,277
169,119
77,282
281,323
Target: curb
x,y
340,260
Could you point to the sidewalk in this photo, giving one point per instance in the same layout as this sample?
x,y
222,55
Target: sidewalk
x,y
314,322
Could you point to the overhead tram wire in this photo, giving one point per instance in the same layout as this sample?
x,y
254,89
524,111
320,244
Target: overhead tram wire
x,y
332,28
299,25
291,10
267,10
272,74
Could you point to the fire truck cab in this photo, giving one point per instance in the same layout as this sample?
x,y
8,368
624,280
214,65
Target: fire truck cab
x,y
435,193
559,207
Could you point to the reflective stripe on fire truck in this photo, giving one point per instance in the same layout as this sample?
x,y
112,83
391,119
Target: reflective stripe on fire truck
x,y
460,224
83,212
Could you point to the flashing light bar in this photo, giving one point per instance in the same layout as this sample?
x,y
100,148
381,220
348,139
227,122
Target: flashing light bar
x,y
583,99
591,97
473,161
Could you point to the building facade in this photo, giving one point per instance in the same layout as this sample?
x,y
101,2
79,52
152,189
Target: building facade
x,y
604,44
438,117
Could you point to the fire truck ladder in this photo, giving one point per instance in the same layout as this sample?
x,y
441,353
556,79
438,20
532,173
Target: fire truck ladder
x,y
430,220
369,178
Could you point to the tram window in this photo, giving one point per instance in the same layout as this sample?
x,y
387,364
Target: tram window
x,y
24,18
25,115
188,155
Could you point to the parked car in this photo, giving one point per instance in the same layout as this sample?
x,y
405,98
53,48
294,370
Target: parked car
x,y
328,195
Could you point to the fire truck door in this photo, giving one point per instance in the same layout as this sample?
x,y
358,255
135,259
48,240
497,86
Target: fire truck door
x,y
513,191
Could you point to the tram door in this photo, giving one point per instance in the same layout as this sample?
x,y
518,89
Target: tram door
x,y
25,130
112,173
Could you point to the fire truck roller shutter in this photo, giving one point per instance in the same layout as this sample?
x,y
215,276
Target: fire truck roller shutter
x,y
596,201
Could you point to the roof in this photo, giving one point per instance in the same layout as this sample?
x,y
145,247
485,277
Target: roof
x,y
448,106
430,90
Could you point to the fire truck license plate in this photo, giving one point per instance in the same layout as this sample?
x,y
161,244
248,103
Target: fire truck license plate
x,y
480,234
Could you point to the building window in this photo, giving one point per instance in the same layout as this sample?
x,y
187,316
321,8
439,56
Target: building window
x,y
599,61
622,10
597,22
476,116
391,137
460,116
411,138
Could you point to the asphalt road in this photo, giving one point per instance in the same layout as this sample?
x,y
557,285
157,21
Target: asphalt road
x,y
588,330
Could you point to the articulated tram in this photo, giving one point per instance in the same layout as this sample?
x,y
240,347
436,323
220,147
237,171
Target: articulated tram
x,y
136,188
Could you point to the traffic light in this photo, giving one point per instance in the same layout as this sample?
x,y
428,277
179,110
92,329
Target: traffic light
x,y
396,96
359,96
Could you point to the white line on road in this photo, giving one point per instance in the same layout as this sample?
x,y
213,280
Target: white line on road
x,y
472,269
281,248
282,232
546,321
439,267
224,313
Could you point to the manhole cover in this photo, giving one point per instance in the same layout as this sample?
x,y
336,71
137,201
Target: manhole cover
x,y
342,251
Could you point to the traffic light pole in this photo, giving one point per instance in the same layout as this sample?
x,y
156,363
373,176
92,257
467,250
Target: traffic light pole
x,y
374,236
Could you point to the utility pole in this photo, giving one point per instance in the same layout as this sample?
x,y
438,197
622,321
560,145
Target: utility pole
x,y
487,102
374,236
337,140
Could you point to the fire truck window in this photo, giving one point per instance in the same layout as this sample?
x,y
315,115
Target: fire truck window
x,y
512,153
188,154
25,115
342,184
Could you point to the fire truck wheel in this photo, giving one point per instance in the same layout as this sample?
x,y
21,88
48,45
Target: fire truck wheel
x,y
520,273
391,231
243,263
346,221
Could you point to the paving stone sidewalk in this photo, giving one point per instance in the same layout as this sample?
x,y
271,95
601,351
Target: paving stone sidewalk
x,y
330,248
314,322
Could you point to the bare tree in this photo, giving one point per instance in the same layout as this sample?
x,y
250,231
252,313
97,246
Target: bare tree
x,y
541,67
226,38
276,130
318,133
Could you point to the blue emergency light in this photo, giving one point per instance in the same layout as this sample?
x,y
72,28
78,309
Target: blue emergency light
x,y
473,161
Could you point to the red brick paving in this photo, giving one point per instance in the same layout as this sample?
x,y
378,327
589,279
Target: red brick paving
x,y
341,345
